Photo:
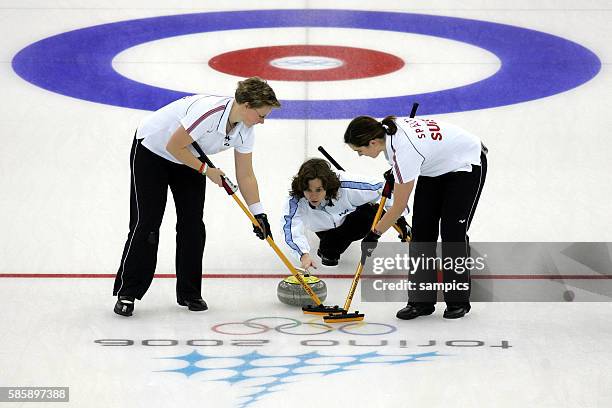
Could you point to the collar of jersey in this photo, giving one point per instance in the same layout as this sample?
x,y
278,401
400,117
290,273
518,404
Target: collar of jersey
x,y
224,118
322,205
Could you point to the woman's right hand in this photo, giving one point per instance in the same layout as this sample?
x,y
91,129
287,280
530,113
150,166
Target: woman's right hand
x,y
214,175
307,262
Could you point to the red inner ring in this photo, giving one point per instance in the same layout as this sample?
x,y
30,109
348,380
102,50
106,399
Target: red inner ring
x,y
357,63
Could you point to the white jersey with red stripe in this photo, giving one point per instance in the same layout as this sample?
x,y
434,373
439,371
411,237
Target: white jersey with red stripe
x,y
204,117
429,147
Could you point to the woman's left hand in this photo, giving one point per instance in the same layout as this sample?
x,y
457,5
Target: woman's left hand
x,y
263,229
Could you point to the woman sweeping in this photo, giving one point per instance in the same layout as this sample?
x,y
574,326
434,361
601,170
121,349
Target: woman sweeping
x,y
163,156
451,167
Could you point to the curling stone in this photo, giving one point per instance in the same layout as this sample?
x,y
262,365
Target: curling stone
x,y
290,292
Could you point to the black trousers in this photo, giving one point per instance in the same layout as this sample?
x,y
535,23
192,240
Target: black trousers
x,y
151,177
444,206
356,225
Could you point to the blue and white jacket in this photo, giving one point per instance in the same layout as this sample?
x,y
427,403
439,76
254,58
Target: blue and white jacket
x,y
298,216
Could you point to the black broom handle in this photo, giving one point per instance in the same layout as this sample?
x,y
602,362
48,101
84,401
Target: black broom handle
x,y
203,156
415,106
331,159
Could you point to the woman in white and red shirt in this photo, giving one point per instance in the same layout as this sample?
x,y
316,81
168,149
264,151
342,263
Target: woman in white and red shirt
x,y
451,167
164,155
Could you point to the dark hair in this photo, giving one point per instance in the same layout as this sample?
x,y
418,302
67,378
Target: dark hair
x,y
362,129
257,93
315,169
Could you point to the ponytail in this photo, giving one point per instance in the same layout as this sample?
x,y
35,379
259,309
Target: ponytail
x,y
363,129
389,125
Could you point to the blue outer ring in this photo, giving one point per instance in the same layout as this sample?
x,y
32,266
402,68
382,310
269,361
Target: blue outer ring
x,y
534,64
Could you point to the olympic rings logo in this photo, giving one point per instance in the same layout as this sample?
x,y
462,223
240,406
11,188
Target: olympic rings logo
x,y
296,327
306,62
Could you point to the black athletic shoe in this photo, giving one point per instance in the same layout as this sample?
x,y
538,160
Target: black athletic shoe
x,y
124,305
196,305
414,310
456,312
327,261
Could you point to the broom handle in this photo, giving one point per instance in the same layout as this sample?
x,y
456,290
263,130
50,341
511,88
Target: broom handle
x,y
349,298
331,159
282,256
230,188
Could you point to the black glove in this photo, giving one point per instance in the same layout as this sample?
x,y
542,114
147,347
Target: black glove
x,y
262,219
389,176
389,183
406,234
368,245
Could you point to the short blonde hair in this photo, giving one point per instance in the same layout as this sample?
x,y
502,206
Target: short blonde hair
x,y
257,93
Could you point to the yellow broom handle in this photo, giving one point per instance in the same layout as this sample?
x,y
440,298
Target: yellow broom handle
x,y
398,229
349,298
232,192
280,254
381,206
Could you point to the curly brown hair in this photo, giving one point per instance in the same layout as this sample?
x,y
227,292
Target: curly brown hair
x,y
315,169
